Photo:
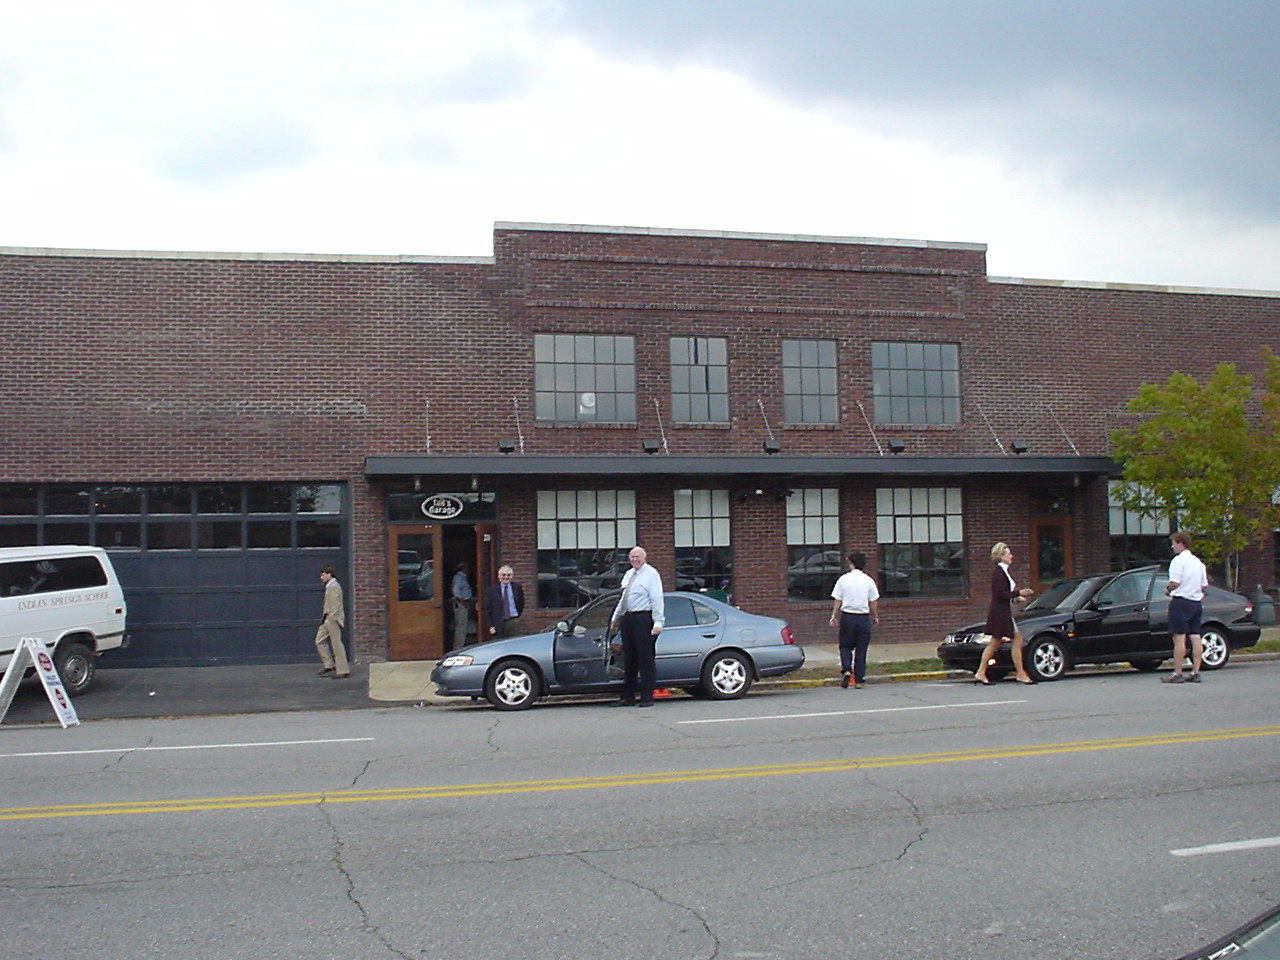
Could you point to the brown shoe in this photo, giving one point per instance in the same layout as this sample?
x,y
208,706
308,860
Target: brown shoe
x,y
341,676
326,670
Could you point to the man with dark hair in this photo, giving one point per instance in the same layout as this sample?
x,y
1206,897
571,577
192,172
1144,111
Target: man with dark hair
x,y
333,655
854,606
1187,580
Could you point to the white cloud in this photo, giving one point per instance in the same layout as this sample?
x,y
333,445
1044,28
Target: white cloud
x,y
412,127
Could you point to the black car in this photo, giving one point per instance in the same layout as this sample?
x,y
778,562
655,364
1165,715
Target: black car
x,y
1108,618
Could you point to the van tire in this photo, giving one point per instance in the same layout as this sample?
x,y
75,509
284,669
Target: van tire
x,y
75,665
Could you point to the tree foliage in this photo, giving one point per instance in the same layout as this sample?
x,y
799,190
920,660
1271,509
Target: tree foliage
x,y
1208,454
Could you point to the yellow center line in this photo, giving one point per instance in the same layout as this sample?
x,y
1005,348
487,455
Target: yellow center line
x,y
623,780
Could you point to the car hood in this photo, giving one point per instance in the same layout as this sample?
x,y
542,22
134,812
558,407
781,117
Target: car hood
x,y
1027,623
492,649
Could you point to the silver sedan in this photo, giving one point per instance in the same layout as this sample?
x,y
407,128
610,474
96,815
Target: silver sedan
x,y
706,648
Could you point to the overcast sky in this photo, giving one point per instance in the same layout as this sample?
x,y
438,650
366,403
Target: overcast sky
x,y
1115,141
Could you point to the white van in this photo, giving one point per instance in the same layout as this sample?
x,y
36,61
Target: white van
x,y
67,596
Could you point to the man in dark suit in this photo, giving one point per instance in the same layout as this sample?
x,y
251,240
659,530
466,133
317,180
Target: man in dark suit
x,y
503,604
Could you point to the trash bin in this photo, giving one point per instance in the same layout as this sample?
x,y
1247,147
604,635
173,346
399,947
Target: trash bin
x,y
1264,608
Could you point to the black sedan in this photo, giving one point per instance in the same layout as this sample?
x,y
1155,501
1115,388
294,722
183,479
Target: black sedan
x,y
706,648
1108,618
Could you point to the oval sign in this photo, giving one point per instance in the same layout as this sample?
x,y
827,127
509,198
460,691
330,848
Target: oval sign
x,y
442,507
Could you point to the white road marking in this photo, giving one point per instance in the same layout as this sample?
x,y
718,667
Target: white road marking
x,y
195,746
1233,847
848,713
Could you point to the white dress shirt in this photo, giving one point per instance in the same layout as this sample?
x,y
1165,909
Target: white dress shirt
x,y
642,590
855,591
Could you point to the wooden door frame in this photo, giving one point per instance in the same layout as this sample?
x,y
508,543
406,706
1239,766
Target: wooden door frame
x,y
1033,559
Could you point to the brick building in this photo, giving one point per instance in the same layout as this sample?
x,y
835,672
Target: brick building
x,y
748,407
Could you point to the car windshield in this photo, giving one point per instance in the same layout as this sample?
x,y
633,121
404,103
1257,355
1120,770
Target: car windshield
x,y
1063,595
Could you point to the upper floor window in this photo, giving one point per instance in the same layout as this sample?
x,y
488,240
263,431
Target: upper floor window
x,y
699,380
916,382
584,378
809,381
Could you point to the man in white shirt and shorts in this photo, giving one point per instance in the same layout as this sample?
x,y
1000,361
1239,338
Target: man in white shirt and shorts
x,y
1187,580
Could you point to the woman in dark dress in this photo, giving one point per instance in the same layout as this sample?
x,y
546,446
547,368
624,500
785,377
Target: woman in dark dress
x,y
1000,626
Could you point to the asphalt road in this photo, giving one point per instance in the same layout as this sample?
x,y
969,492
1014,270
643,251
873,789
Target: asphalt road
x,y
923,820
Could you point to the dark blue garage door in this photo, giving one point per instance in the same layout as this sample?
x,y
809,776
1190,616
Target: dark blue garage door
x,y
213,573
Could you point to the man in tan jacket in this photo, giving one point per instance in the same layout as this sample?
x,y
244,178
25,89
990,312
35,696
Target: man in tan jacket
x,y
329,635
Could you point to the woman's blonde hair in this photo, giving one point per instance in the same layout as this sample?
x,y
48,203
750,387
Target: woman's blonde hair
x,y
998,552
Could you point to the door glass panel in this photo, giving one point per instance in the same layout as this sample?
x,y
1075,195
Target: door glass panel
x,y
1051,551
415,566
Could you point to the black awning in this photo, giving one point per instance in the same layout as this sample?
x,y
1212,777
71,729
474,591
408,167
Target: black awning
x,y
661,465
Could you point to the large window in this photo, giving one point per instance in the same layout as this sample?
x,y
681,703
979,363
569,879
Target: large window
x,y
814,562
584,378
921,536
809,381
699,380
174,517
916,383
1136,540
704,552
584,537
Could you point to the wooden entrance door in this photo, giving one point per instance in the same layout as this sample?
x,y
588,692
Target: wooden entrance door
x,y
486,568
1050,551
415,619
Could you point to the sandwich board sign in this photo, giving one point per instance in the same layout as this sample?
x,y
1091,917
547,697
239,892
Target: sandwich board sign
x,y
32,653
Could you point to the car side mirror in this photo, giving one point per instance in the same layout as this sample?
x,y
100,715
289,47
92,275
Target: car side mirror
x,y
579,631
562,626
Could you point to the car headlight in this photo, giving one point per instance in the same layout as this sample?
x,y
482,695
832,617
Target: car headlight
x,y
458,660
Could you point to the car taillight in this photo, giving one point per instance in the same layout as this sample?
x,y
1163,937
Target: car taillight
x,y
788,636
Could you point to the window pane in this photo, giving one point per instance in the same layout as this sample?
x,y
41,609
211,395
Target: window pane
x,y
270,533
17,500
269,497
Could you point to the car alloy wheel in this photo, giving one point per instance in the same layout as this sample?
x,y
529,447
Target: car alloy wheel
x,y
1216,649
512,685
726,676
1045,658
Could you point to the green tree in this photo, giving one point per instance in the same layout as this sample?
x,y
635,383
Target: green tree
x,y
1208,455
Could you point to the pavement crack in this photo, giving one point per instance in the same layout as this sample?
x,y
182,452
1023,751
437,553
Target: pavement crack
x,y
657,895
124,755
366,922
363,770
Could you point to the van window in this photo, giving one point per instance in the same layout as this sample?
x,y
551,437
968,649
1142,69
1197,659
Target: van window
x,y
21,577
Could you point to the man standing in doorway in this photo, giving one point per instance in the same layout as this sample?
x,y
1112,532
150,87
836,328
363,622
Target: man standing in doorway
x,y
503,605
460,589
640,615
333,655
853,606
1187,580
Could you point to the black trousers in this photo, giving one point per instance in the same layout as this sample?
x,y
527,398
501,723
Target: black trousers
x,y
639,672
855,636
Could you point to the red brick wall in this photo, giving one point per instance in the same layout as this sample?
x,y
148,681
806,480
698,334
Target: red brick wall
x,y
148,369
